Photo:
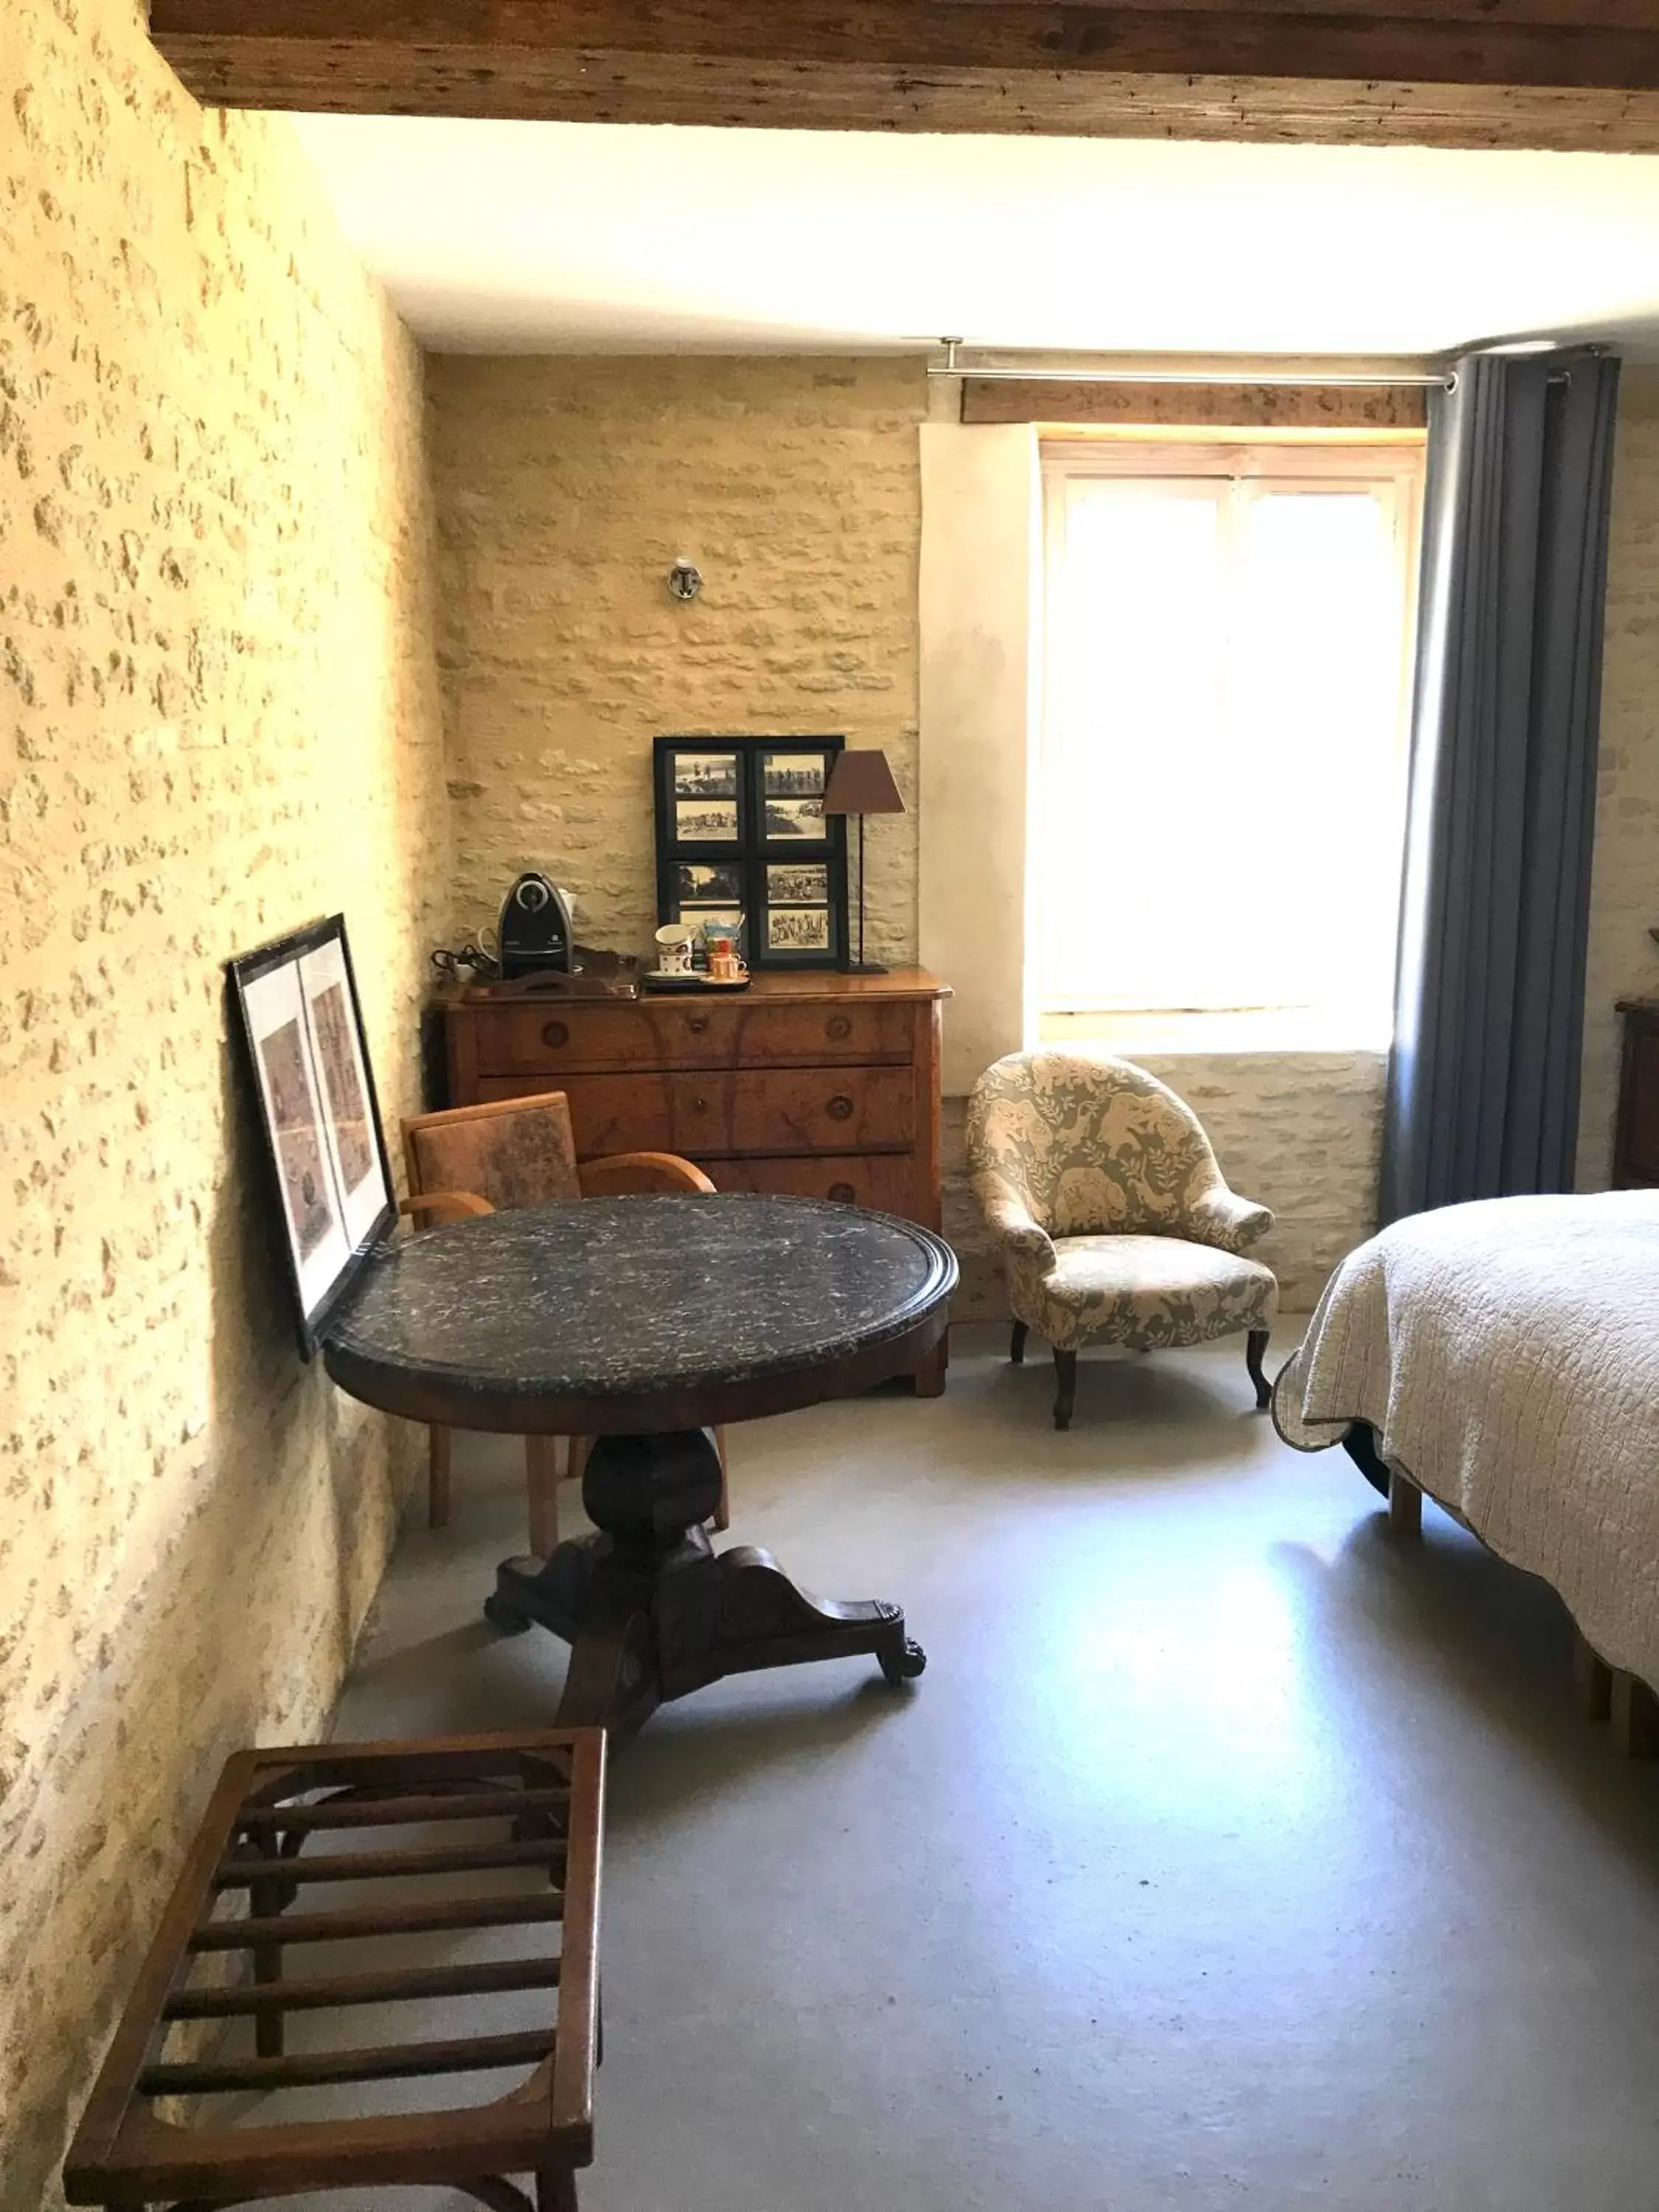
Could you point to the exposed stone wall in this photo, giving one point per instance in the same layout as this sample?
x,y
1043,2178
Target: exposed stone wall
x,y
565,489
218,718
1624,960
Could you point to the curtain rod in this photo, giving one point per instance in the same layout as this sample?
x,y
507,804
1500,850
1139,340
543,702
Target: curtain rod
x,y
1035,372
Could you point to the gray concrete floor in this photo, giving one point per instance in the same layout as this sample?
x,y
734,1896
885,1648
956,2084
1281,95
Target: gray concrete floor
x,y
1228,1854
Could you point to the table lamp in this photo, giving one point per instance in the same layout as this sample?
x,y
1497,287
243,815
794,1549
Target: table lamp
x,y
861,783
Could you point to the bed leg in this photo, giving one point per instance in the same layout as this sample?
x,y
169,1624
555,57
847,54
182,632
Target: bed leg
x,y
1592,1679
1404,1505
1635,1717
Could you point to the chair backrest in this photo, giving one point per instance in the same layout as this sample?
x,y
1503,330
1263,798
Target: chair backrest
x,y
513,1152
1093,1144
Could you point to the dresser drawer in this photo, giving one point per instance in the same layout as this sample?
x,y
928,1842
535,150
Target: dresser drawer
x,y
885,1182
550,1038
811,1109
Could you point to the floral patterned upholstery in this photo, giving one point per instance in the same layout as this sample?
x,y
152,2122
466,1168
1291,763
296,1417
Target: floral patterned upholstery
x,y
1113,1219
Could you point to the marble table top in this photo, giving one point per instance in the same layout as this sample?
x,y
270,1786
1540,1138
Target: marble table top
x,y
632,1297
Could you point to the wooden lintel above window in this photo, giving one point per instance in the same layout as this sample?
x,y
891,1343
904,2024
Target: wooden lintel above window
x,y
1221,406
1542,73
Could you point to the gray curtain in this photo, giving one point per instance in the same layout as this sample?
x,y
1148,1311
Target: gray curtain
x,y
1483,1080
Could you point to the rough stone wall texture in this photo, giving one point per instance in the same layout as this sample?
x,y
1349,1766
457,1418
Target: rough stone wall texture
x,y
1624,960
565,490
218,718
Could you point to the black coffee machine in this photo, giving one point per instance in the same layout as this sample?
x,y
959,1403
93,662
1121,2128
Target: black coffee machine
x,y
536,934
537,949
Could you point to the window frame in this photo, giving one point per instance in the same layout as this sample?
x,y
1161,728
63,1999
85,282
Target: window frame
x,y
1392,462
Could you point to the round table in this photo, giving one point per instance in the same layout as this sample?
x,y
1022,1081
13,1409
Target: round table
x,y
643,1322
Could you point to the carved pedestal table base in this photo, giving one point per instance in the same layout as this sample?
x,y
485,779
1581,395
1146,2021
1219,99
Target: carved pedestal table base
x,y
649,1610
642,1322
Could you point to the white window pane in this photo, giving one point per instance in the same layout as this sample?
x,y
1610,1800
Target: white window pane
x,y
1137,664
1319,660
1221,787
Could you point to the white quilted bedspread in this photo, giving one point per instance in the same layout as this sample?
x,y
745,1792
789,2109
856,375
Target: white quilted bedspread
x,y
1507,1355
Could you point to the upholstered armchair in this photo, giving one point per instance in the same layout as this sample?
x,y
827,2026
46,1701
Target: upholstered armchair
x,y
1114,1220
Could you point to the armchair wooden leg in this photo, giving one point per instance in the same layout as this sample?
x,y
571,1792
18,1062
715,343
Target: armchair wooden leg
x,y
541,1469
555,2189
928,1379
1017,1344
1254,1344
437,1478
1066,1394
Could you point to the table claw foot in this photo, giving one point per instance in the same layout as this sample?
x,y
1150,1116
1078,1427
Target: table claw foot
x,y
558,1592
503,1614
760,1618
902,1661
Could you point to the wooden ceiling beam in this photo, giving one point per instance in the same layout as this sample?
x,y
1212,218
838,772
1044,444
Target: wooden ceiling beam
x,y
1545,73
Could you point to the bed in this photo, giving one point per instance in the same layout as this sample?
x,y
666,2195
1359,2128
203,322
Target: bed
x,y
1503,1358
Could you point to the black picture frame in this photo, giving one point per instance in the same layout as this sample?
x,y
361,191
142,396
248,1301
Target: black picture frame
x,y
300,1023
735,829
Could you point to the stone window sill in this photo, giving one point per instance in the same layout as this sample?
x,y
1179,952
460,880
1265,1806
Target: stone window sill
x,y
1250,1029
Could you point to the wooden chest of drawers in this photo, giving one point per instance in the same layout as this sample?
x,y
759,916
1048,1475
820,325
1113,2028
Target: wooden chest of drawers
x,y
811,1086
1635,1134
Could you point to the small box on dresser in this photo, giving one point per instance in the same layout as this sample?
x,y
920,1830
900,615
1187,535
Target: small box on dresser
x,y
808,1084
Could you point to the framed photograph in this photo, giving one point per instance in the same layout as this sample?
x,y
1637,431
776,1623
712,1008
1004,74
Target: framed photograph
x,y
302,1027
798,928
706,821
706,776
742,836
794,775
701,883
797,883
786,819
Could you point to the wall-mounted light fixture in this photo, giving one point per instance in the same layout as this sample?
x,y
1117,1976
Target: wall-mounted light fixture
x,y
685,579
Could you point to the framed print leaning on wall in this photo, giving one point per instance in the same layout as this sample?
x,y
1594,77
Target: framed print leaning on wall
x,y
742,835
303,1027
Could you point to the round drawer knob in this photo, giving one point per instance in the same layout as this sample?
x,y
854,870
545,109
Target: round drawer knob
x,y
838,1027
840,1107
555,1033
842,1192
699,1105
697,1024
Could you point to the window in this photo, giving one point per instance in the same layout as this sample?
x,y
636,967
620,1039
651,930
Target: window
x,y
1220,796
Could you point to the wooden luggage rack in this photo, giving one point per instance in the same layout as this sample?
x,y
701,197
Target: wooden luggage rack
x,y
282,1826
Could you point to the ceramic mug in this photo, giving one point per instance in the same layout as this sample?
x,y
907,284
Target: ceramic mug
x,y
674,949
724,964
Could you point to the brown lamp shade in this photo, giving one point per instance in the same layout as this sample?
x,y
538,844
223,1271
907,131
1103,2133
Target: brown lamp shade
x,y
861,783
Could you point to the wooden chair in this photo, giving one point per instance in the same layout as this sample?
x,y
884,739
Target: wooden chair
x,y
513,1153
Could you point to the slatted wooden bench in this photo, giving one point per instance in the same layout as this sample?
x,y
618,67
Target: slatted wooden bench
x,y
284,1826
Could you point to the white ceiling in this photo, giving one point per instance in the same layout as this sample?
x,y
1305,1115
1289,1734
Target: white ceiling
x,y
537,237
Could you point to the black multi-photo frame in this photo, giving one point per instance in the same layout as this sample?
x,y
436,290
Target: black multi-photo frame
x,y
742,835
302,1026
